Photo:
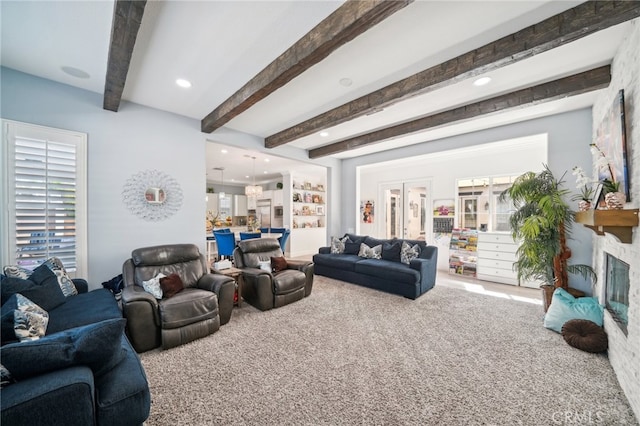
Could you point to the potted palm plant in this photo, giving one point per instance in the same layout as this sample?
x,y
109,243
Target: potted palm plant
x,y
541,222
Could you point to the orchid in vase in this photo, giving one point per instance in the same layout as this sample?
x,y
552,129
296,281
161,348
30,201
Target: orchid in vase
x,y
584,184
614,199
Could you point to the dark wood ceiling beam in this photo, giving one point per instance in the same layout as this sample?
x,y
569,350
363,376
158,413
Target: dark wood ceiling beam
x,y
580,21
127,17
577,84
351,19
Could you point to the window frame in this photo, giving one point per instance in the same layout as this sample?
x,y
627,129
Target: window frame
x,y
15,129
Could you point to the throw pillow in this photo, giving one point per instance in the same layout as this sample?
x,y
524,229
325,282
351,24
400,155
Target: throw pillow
x,y
585,335
409,252
278,264
15,271
47,292
265,265
171,285
64,280
5,377
565,307
337,245
29,320
351,247
152,286
391,251
11,285
370,252
97,346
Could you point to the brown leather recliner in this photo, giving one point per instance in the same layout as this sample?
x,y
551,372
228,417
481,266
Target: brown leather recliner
x,y
205,303
265,289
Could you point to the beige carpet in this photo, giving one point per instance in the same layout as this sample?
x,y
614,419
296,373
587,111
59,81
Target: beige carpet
x,y
347,355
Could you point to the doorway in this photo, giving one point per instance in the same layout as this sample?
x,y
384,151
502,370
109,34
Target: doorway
x,y
405,210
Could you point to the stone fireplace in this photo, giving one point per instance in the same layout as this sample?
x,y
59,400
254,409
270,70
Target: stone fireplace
x,y
612,259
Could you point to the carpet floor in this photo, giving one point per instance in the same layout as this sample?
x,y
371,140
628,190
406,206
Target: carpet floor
x,y
347,355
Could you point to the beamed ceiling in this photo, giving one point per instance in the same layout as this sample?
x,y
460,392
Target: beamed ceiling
x,y
373,75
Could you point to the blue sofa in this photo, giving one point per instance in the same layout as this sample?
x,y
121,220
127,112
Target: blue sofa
x,y
387,273
82,372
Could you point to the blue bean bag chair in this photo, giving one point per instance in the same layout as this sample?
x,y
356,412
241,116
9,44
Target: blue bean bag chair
x,y
565,307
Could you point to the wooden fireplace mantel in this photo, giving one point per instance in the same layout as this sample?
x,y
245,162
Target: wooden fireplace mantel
x,y
617,222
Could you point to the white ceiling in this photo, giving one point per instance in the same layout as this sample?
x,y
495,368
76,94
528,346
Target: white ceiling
x,y
220,45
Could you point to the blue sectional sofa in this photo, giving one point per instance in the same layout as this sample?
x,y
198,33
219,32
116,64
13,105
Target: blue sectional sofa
x,y
82,372
388,273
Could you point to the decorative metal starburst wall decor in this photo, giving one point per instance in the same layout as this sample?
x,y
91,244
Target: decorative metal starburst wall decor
x,y
152,195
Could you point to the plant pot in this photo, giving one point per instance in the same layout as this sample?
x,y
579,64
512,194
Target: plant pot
x,y
615,200
584,205
547,294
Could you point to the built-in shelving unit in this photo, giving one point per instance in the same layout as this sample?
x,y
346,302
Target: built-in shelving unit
x,y
619,223
308,205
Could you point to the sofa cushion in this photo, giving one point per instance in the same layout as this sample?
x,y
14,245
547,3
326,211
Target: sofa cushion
x,y
189,306
386,269
83,309
95,345
42,288
370,252
287,281
345,262
391,251
372,242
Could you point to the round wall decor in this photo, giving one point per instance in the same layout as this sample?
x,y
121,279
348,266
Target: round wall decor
x,y
152,195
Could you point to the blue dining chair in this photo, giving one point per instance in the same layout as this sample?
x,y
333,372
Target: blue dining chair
x,y
283,239
226,242
278,230
265,230
249,235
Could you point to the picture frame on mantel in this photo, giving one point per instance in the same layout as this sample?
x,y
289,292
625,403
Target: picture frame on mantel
x,y
598,198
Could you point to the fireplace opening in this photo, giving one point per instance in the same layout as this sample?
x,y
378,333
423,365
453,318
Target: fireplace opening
x,y
617,290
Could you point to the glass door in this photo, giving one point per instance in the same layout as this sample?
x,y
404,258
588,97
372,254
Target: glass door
x,y
405,210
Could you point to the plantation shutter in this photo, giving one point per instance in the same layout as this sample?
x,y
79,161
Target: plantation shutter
x,y
46,166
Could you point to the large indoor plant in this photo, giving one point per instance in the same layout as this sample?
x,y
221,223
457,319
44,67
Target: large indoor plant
x,y
541,222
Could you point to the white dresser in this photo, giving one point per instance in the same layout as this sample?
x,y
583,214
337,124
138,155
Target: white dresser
x,y
496,254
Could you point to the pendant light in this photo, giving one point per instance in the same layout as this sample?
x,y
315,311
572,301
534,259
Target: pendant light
x,y
253,190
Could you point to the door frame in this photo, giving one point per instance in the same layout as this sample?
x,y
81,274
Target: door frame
x,y
427,183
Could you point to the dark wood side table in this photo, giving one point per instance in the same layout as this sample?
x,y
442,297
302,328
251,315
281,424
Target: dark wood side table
x,y
236,274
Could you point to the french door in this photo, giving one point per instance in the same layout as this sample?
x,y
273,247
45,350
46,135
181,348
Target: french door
x,y
405,210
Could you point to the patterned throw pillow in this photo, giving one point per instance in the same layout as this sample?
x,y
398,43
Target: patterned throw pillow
x,y
338,244
370,252
408,253
30,320
64,281
5,377
152,286
15,271
265,265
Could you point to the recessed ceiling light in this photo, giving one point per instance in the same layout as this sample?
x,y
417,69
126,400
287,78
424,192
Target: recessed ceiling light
x,y
247,176
482,81
265,172
224,151
266,160
183,83
324,134
346,82
75,72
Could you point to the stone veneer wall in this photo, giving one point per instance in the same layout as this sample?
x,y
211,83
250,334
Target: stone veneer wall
x,y
624,351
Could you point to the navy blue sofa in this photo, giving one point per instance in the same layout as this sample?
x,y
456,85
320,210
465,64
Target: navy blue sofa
x,y
82,372
388,273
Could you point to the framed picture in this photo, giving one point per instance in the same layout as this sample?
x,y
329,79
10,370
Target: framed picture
x,y
307,186
366,211
611,142
320,187
320,210
444,208
598,198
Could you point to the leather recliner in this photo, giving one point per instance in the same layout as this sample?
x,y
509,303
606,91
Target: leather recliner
x,y
205,303
265,289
